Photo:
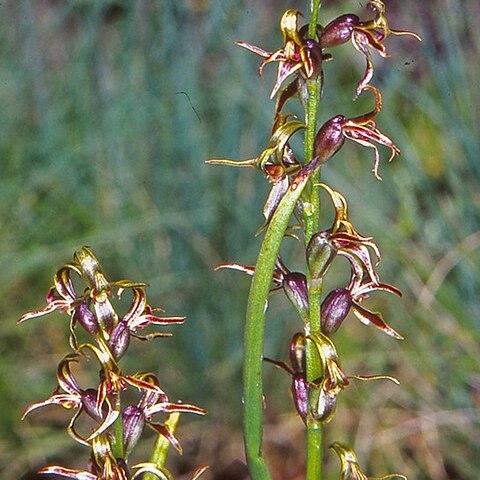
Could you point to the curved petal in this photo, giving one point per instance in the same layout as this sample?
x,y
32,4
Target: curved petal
x,y
58,304
374,318
169,407
285,69
365,135
163,430
73,433
236,266
63,283
251,162
123,284
143,321
148,467
199,471
68,473
151,336
137,307
359,259
65,400
371,287
367,378
65,378
253,48
109,419
340,205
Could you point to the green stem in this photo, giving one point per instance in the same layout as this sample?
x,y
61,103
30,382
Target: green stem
x,y
255,326
162,446
312,223
312,210
117,446
314,8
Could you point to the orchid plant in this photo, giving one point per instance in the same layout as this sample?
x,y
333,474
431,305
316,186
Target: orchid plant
x,y
115,425
105,419
293,205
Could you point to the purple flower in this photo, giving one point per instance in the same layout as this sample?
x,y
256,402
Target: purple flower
x,y
364,35
69,395
296,55
297,371
294,284
361,129
151,403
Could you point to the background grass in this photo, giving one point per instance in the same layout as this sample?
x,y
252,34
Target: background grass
x,y
109,109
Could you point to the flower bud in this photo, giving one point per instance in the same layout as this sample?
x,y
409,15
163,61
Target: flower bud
x,y
119,340
339,31
300,395
313,66
323,403
299,380
295,286
334,310
329,138
90,404
104,311
320,254
297,353
91,269
86,318
133,424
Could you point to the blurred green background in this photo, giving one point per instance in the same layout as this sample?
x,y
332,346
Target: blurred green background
x,y
109,110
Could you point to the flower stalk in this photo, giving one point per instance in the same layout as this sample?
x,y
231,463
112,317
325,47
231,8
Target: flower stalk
x,y
314,446
255,324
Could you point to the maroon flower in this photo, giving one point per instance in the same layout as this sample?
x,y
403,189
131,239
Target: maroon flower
x,y
92,308
294,284
344,240
112,380
139,316
338,303
364,35
316,401
150,404
277,162
298,373
362,130
69,395
296,55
